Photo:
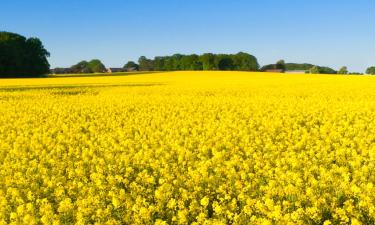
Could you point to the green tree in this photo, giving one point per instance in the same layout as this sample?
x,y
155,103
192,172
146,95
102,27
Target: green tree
x,y
169,63
145,64
315,70
245,62
343,70
208,61
131,66
197,65
298,66
96,66
224,62
326,70
268,67
280,65
81,67
191,62
36,61
176,62
21,57
371,70
159,63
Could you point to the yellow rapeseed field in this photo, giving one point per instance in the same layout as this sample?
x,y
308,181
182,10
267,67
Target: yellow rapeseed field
x,y
188,148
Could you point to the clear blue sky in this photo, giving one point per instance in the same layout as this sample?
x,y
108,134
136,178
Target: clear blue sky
x,y
324,32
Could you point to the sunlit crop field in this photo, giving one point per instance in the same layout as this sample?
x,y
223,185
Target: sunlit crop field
x,y
188,148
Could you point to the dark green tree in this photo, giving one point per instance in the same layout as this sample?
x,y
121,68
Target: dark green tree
x,y
81,67
197,65
169,63
176,62
245,62
225,62
371,70
190,62
208,61
268,67
343,70
159,63
298,66
326,70
315,70
131,66
21,57
280,65
36,57
145,64
96,66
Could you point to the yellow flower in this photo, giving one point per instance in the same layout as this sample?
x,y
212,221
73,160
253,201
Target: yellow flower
x,y
205,201
116,202
65,205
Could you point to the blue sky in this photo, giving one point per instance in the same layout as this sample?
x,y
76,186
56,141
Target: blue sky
x,y
325,32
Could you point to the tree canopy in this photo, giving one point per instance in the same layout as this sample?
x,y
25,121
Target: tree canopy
x,y
343,70
97,66
208,61
81,67
145,64
371,70
315,70
298,66
94,66
326,70
131,66
22,57
279,65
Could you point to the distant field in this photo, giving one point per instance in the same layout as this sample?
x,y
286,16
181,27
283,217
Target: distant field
x,y
188,147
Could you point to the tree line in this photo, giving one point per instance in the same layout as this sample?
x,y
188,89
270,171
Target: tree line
x,y
208,61
281,66
240,62
22,57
